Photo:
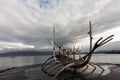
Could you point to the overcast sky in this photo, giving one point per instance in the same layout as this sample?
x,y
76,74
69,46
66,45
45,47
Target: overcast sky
x,y
28,23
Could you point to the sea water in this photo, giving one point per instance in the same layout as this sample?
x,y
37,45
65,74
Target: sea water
x,y
7,62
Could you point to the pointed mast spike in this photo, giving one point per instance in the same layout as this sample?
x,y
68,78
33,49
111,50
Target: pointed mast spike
x,y
90,33
54,44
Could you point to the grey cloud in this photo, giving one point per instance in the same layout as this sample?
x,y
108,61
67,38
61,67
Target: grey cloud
x,y
26,22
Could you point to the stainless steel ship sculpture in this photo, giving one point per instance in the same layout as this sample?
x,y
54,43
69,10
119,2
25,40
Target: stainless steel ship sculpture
x,y
63,67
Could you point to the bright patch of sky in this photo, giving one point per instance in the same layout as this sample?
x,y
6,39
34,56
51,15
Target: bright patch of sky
x,y
48,4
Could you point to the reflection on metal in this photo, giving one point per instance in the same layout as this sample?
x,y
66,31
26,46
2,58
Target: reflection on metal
x,y
67,67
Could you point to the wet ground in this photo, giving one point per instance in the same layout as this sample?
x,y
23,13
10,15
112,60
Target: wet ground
x,y
114,75
34,72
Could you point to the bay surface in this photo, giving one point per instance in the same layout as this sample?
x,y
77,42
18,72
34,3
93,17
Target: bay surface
x,y
7,62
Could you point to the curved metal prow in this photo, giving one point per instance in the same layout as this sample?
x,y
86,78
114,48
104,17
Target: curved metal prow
x,y
98,43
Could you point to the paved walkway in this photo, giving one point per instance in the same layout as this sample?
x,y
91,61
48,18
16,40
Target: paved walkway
x,y
25,73
34,73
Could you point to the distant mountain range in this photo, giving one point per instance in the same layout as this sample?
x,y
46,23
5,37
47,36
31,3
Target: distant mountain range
x,y
113,47
25,53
